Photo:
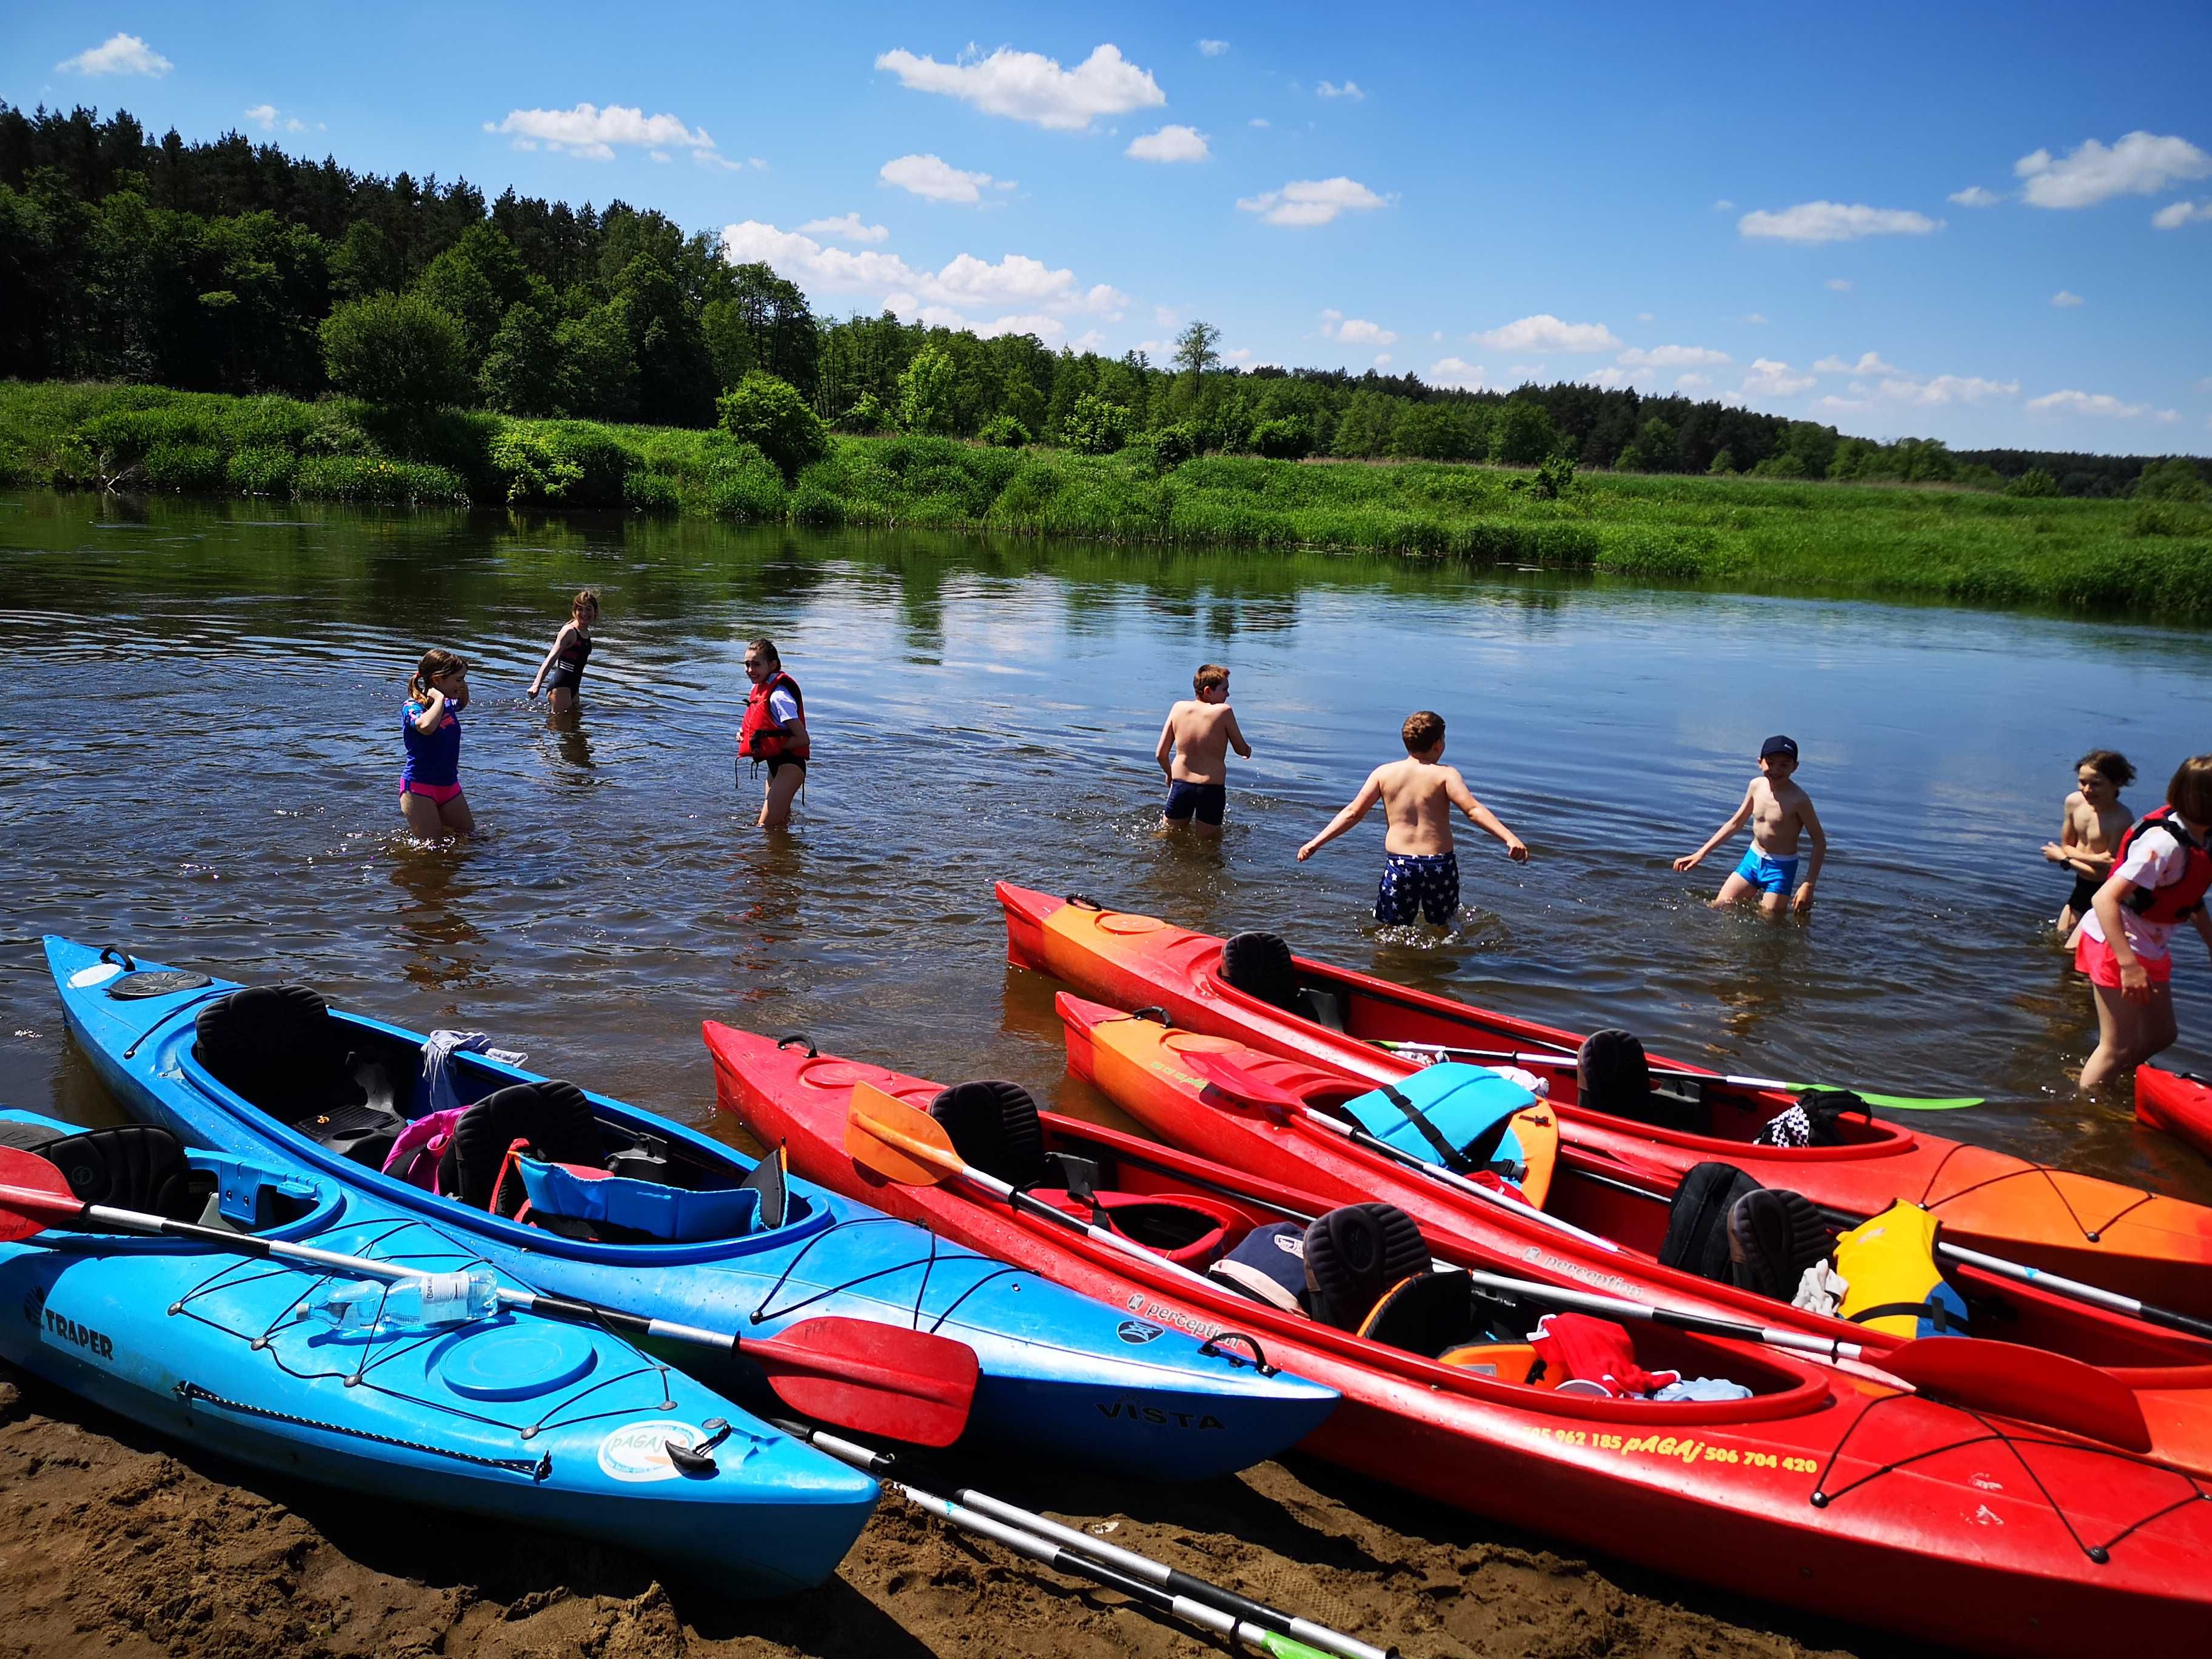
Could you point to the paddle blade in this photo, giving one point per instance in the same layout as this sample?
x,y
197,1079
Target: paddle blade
x,y
32,1196
876,1379
1234,1078
2032,1385
1903,1103
897,1141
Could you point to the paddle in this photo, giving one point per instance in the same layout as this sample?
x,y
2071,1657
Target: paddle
x,y
906,1144
1566,1062
1158,1573
879,1379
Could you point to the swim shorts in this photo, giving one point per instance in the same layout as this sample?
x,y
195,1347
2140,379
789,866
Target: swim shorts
x,y
439,793
1204,801
1769,875
2084,894
1423,883
2094,958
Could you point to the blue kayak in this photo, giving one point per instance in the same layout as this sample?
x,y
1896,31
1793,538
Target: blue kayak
x,y
511,1416
1062,1376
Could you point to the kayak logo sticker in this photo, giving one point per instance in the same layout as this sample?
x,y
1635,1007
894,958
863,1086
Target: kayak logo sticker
x,y
59,1325
1136,1332
1131,1411
638,1451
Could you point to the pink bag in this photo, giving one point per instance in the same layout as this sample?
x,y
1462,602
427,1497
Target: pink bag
x,y
414,1156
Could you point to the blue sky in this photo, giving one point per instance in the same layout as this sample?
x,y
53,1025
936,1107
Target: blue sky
x,y
1990,225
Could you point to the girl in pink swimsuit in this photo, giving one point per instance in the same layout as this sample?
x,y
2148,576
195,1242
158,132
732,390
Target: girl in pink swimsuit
x,y
430,797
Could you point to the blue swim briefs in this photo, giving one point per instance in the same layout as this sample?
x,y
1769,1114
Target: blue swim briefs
x,y
1768,874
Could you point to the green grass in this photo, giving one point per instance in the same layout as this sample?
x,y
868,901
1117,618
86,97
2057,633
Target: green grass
x,y
1742,533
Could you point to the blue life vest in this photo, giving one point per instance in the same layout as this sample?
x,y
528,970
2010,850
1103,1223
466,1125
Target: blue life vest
x,y
675,1213
1442,1110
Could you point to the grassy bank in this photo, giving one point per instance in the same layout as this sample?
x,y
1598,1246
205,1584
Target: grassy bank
x,y
1761,535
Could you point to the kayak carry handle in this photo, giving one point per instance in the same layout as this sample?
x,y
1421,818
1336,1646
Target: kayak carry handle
x,y
1084,901
1151,1011
120,958
790,1037
1213,1346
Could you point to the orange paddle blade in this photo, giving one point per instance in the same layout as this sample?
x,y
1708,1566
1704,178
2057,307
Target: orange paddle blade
x,y
2032,1385
896,1140
1233,1078
877,1379
32,1196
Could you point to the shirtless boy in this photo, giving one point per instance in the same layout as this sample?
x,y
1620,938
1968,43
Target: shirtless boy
x,y
2095,820
1199,734
1420,871
1779,812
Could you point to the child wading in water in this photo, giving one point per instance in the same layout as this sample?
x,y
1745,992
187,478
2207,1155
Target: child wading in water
x,y
1778,811
431,798
2160,874
1420,871
1199,734
2095,821
562,673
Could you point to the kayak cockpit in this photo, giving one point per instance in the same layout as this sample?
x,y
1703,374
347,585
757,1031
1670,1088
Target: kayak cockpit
x,y
144,1167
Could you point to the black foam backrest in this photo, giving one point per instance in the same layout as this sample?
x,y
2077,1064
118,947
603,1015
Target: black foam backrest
x,y
1354,1253
550,1114
1696,1223
992,1124
1425,1314
1260,965
276,1047
1611,1074
130,1166
1773,1236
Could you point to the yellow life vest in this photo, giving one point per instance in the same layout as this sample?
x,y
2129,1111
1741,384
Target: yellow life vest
x,y
1889,1262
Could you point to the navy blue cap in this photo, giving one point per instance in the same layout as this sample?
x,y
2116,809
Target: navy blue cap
x,y
1778,746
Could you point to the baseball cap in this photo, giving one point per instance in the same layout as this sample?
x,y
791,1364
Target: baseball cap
x,y
1778,746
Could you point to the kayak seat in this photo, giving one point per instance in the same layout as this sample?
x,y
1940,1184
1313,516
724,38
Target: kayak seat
x,y
1268,1264
1509,1362
1613,1076
1773,1236
277,1048
1697,1221
551,1115
994,1125
1322,1007
1188,1229
1260,965
131,1166
1426,1314
1354,1254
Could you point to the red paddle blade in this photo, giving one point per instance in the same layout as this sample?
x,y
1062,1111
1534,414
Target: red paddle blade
x,y
32,1196
1234,1078
2032,1385
877,1379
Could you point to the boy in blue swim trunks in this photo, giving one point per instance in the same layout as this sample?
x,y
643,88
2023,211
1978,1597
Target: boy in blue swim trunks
x,y
1193,752
1779,812
1420,870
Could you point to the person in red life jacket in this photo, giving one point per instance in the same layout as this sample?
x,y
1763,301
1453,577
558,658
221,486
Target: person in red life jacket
x,y
2161,872
774,732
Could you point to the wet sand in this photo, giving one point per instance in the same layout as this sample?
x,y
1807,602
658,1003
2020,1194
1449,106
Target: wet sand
x,y
116,1543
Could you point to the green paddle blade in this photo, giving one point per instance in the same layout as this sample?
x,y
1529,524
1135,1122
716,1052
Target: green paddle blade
x,y
1903,1103
1282,1647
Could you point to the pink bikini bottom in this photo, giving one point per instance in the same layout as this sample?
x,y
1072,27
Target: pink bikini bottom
x,y
439,793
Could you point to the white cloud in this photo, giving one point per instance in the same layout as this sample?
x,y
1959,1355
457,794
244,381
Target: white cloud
x,y
1671,356
1169,144
660,156
1349,89
1974,196
1027,86
1944,389
713,158
268,119
1237,355
1523,371
1868,363
847,228
1089,340
1692,382
1723,205
1312,201
935,180
1047,329
2178,214
1841,284
591,132
2066,300
1436,337
1610,379
1383,359
2086,403
2205,385
2141,164
1755,317
1354,331
1455,374
118,54
1257,121
1644,316
1545,332
1769,379
966,284
1835,222
1214,49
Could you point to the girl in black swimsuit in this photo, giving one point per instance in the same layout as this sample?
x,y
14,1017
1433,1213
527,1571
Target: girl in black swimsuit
x,y
562,673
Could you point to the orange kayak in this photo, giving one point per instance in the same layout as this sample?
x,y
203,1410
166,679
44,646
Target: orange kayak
x,y
2154,1248
1614,1228
2180,1103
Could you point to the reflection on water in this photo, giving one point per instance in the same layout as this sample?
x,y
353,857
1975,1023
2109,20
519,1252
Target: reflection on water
x,y
209,778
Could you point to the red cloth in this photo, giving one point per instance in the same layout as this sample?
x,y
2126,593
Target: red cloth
x,y
1575,1347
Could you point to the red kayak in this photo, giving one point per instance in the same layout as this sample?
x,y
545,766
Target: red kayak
x,y
2154,1248
1833,1494
1614,1229
2180,1103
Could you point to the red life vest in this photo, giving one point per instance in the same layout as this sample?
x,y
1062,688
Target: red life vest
x,y
761,736
2178,900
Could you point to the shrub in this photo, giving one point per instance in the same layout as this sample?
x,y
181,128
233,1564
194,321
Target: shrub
x,y
768,414
1283,438
266,424
1723,464
2034,483
743,484
928,388
2173,479
367,478
563,465
396,348
650,492
1096,426
263,471
195,469
1004,432
867,415
1555,476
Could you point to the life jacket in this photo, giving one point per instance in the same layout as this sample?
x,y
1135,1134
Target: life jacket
x,y
1889,1262
2178,900
1451,1114
676,1213
760,737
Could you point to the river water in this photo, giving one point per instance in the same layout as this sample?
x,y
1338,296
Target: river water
x,y
201,724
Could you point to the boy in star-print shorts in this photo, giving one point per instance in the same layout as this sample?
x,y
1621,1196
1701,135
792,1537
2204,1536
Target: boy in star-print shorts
x,y
1420,870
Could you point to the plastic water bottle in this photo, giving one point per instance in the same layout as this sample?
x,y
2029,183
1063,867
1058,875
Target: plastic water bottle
x,y
424,1303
